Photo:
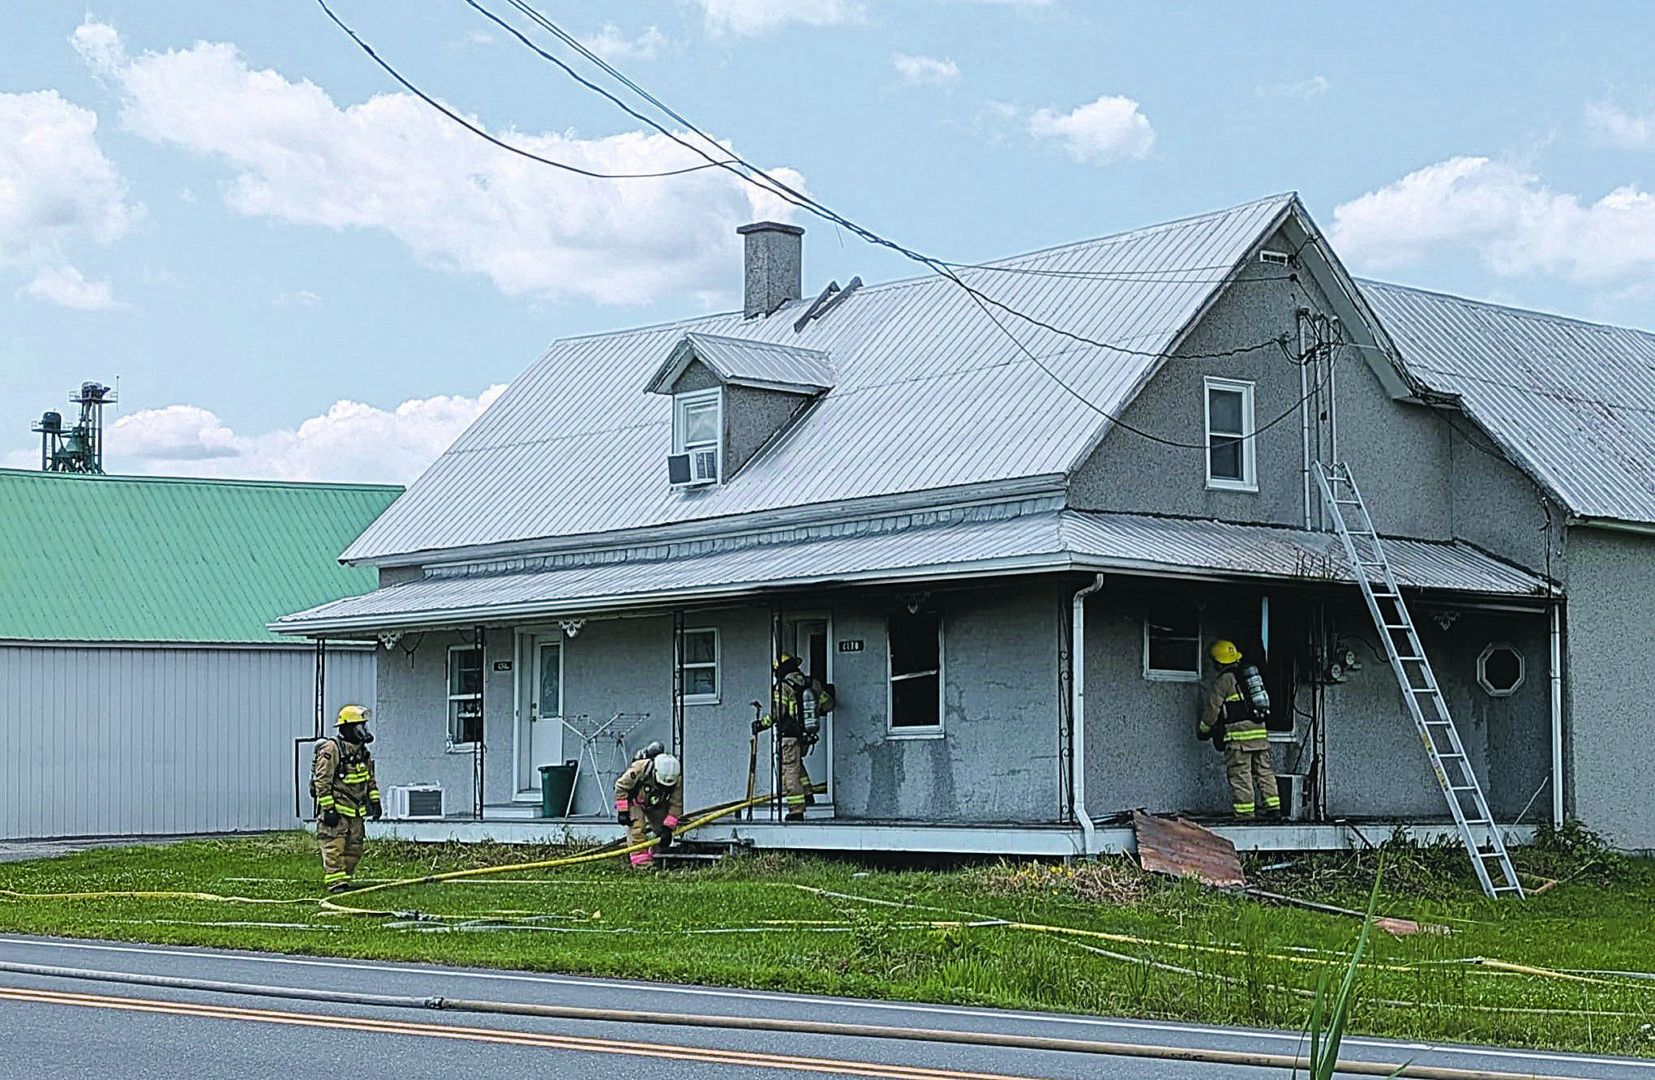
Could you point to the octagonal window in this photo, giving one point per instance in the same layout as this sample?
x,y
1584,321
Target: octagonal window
x,y
1500,669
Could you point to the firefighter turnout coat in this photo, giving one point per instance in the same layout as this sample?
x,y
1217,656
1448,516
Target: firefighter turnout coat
x,y
647,803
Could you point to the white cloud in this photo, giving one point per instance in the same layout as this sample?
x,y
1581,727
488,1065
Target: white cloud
x,y
459,204
1508,217
1611,125
925,70
1304,89
1110,128
302,298
613,45
749,18
57,191
65,286
349,442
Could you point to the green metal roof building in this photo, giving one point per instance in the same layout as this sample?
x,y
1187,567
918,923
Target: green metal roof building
x,y
140,691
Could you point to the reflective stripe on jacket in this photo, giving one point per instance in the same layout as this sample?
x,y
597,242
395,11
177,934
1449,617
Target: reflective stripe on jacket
x,y
636,790
342,778
1227,704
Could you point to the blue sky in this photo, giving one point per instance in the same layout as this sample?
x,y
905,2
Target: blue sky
x,y
298,270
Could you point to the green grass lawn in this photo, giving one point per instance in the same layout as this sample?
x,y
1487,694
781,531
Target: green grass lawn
x,y
1151,946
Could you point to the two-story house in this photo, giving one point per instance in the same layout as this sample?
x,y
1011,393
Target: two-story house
x,y
1005,519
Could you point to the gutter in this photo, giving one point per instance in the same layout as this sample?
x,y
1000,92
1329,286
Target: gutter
x,y
1641,528
1077,712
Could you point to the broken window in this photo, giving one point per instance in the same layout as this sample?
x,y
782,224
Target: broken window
x,y
1230,435
701,667
916,670
465,695
1172,643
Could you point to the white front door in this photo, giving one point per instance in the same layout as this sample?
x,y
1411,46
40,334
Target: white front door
x,y
540,727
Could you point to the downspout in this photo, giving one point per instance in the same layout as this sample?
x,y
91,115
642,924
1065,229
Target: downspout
x,y
1557,715
1077,712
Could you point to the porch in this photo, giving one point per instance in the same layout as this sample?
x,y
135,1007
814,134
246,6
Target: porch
x,y
824,835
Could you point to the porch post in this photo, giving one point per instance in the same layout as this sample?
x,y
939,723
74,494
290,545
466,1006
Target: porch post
x,y
321,682
481,638
1557,714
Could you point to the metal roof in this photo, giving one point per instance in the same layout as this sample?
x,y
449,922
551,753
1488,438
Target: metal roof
x,y
151,559
1045,541
739,362
928,393
1569,401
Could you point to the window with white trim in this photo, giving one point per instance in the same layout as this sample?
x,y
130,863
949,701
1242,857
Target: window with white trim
x,y
700,667
1172,644
1230,435
697,435
465,695
914,643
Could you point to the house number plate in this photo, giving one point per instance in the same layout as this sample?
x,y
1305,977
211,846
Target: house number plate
x,y
502,665
850,646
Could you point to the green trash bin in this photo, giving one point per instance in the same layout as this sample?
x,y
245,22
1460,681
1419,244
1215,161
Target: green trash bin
x,y
557,789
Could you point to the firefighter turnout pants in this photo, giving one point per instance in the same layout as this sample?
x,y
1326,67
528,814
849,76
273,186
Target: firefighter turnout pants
x,y
646,825
1246,767
341,849
796,785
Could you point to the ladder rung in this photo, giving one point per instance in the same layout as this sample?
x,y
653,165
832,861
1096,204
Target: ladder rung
x,y
1399,626
1439,723
1465,787
1411,659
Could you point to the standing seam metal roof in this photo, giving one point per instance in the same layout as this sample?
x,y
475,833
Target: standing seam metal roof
x,y
1569,400
153,559
927,394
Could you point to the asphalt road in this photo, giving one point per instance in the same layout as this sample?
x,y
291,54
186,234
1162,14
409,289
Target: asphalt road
x,y
55,1027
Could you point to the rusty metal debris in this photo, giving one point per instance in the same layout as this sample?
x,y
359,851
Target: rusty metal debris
x,y
1182,848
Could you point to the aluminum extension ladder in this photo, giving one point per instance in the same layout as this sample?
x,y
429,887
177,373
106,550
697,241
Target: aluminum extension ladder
x,y
1420,691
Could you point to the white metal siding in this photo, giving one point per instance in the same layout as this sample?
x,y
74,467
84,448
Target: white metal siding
x,y
151,740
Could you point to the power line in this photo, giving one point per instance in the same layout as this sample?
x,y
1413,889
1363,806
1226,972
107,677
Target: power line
x,y
481,133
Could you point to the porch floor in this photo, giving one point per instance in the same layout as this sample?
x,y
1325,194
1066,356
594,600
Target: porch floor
x,y
825,834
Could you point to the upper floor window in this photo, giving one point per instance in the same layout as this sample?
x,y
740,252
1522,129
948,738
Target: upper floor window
x,y
697,426
1230,435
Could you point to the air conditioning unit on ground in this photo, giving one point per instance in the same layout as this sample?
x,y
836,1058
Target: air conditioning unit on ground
x,y
415,801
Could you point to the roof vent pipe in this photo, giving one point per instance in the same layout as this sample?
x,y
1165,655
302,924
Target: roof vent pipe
x,y
774,271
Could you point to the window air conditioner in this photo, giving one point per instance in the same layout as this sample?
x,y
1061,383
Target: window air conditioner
x,y
696,467
415,801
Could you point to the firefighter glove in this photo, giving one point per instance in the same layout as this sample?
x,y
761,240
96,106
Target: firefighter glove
x,y
375,810
759,725
666,838
623,817
330,818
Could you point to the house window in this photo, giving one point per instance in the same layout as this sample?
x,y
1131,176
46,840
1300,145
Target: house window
x,y
697,421
1230,457
915,644
1500,669
465,695
1172,644
700,667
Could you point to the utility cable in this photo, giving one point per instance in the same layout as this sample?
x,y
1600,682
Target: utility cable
x,y
481,133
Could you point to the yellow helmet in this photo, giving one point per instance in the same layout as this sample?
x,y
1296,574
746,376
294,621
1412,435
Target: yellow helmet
x,y
786,664
352,714
1224,652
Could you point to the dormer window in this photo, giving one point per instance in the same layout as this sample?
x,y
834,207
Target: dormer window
x,y
697,426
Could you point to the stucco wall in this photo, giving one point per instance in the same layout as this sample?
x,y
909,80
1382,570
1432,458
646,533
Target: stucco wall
x,y
1498,508
1408,493
751,417
1611,637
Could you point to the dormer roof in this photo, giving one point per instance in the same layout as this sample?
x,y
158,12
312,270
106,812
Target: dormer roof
x,y
761,365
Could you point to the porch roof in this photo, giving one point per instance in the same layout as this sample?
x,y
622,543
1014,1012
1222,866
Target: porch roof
x,y
1041,542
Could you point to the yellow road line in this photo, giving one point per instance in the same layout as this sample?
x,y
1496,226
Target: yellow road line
x,y
707,1055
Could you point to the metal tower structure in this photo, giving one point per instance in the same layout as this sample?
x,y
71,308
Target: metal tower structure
x,y
78,449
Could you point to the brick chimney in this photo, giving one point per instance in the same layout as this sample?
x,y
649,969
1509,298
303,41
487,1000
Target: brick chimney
x,y
773,272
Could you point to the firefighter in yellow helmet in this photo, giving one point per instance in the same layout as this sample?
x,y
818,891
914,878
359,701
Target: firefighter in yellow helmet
x,y
1233,716
800,702
342,783
649,800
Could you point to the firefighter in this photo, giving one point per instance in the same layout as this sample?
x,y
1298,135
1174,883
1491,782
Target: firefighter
x,y
1233,717
342,783
649,798
801,700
